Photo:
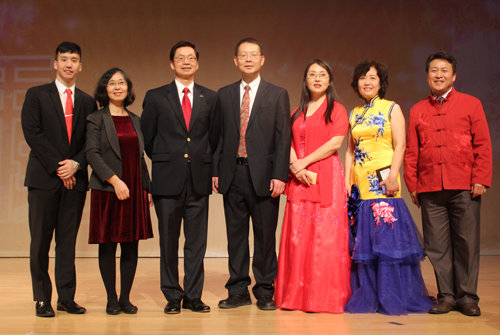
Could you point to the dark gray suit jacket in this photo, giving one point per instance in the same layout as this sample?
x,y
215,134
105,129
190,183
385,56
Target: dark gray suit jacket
x,y
268,136
103,150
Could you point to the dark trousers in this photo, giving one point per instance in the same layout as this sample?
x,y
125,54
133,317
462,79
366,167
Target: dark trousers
x,y
171,211
241,203
450,220
57,211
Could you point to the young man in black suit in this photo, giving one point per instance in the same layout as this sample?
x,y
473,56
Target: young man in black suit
x,y
176,123
53,119
251,168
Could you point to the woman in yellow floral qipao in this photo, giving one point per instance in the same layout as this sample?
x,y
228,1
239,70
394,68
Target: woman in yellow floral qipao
x,y
385,273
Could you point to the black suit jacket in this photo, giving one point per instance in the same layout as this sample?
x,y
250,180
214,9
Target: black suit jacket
x,y
170,145
268,136
44,127
103,150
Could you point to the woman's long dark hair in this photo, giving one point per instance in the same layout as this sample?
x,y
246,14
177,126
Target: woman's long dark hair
x,y
306,94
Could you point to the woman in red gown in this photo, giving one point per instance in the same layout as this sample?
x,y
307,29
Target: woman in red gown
x,y
314,263
120,201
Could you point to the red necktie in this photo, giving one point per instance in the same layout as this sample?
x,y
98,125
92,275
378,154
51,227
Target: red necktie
x,y
68,113
186,107
244,115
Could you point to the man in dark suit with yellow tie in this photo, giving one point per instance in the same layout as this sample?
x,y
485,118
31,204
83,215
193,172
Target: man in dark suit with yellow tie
x,y
176,123
53,119
251,168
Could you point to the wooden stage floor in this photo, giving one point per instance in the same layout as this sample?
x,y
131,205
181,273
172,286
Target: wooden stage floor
x,y
17,311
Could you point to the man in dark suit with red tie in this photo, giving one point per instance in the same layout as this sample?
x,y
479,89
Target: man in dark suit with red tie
x,y
53,119
176,123
251,168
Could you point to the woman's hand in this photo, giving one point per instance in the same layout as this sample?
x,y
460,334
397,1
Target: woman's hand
x,y
298,166
304,177
391,185
121,189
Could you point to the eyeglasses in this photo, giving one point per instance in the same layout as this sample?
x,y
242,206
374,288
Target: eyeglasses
x,y
253,56
190,59
314,75
117,83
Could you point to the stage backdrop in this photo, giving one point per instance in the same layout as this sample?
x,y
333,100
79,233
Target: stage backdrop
x,y
137,36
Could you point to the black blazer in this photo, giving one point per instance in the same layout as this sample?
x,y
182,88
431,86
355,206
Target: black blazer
x,y
44,128
268,136
170,145
103,150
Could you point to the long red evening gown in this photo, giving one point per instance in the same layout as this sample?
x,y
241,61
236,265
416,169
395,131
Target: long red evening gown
x,y
314,263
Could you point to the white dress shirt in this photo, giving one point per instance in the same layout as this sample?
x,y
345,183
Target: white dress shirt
x,y
62,94
180,91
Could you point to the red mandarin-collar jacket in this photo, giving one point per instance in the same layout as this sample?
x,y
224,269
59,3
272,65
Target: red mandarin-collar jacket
x,y
447,147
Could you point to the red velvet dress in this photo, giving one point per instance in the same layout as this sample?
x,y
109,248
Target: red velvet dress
x,y
114,220
314,263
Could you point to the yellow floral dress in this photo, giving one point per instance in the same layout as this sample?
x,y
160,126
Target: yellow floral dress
x,y
385,273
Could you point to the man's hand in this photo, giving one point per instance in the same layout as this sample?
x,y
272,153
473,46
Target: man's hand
x,y
215,184
477,190
67,169
414,198
277,187
69,183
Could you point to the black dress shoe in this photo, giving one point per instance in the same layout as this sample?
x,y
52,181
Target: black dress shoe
x,y
196,305
128,308
113,308
236,300
71,307
471,309
442,307
266,303
44,309
173,307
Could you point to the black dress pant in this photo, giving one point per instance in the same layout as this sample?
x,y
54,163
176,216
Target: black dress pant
x,y
240,204
192,209
450,221
54,212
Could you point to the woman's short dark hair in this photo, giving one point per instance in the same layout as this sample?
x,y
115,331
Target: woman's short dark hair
x,y
101,94
382,73
306,94
444,56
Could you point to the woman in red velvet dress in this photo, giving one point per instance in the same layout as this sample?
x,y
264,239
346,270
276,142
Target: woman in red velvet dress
x,y
120,182
314,263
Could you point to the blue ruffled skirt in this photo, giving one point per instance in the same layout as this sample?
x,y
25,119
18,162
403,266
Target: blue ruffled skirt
x,y
385,273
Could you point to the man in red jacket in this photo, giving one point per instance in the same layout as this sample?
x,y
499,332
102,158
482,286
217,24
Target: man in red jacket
x,y
448,166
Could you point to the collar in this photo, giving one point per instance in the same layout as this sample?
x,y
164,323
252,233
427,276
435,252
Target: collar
x,y
61,88
442,96
253,85
371,103
180,86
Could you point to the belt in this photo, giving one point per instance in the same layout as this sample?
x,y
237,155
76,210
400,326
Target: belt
x,y
242,160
